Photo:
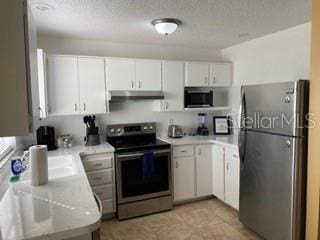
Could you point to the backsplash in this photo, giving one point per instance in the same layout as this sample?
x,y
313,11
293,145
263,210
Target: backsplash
x,y
123,112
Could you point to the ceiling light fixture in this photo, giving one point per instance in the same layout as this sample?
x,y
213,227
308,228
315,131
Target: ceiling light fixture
x,y
166,26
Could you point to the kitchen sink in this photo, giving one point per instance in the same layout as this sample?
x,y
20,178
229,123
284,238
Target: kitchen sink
x,y
61,166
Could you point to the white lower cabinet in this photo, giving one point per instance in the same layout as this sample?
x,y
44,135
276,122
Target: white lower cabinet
x,y
101,176
226,174
203,170
232,177
184,178
192,171
218,171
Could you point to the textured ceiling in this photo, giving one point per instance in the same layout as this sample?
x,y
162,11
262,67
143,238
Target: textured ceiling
x,y
206,23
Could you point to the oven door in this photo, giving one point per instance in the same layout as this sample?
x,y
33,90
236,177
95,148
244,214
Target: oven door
x,y
132,186
196,99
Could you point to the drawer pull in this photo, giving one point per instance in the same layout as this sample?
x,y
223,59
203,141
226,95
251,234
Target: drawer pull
x,y
97,178
235,155
183,151
99,193
98,164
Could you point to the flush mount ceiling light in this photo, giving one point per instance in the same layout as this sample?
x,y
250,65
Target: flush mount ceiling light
x,y
166,26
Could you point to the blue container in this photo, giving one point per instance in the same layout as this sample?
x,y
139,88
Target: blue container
x,y
16,166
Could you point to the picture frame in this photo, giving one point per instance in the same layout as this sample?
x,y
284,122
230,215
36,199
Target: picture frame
x,y
221,125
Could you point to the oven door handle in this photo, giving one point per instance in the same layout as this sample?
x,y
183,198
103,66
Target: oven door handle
x,y
134,155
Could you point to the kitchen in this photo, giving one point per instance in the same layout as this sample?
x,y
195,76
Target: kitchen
x,y
128,86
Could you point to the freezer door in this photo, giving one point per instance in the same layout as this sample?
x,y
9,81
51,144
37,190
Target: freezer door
x,y
276,108
266,185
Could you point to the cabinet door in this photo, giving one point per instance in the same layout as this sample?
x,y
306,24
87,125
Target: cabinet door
x,y
15,104
221,74
92,85
63,88
172,83
120,74
197,75
148,75
218,171
204,170
232,175
42,83
184,178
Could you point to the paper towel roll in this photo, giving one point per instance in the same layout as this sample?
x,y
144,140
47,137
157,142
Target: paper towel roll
x,y
39,165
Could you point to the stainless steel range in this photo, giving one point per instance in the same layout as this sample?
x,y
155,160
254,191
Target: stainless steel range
x,y
143,169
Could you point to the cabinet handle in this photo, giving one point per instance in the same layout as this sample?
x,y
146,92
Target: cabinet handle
x,y
84,107
206,80
199,151
236,156
140,84
98,164
227,166
167,105
177,164
132,84
75,107
97,178
214,79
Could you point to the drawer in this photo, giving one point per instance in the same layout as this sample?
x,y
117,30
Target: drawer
x,y
103,192
183,151
107,206
97,163
100,177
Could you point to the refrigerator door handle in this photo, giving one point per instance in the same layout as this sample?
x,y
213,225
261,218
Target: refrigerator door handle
x,y
242,138
242,132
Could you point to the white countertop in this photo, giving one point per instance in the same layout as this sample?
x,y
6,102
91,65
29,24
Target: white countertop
x,y
63,208
228,140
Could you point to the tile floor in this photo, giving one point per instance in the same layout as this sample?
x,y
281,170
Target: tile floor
x,y
203,220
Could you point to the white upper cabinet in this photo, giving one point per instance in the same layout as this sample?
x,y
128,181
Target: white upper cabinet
x,y
120,74
218,171
63,87
18,68
221,74
232,177
204,170
172,85
197,74
42,83
148,75
92,85
131,74
75,85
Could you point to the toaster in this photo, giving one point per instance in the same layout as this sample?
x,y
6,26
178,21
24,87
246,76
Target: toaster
x,y
175,131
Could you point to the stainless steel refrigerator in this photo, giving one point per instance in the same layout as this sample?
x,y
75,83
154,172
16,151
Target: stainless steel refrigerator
x,y
273,159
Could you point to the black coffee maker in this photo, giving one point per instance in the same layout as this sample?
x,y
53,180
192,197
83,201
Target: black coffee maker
x,y
45,136
92,137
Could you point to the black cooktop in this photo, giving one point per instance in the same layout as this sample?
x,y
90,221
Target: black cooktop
x,y
137,143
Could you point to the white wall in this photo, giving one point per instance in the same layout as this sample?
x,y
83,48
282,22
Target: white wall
x,y
112,49
127,112
279,57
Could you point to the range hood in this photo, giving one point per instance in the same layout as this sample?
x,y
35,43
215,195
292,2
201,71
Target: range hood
x,y
135,95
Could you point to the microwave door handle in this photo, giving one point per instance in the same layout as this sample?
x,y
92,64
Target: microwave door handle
x,y
242,137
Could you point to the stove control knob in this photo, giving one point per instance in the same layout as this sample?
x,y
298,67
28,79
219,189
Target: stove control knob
x,y
145,128
112,130
150,127
119,130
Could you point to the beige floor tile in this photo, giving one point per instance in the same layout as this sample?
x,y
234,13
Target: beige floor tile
x,y
203,220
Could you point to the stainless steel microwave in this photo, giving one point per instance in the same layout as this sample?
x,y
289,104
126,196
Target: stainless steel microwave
x,y
198,98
